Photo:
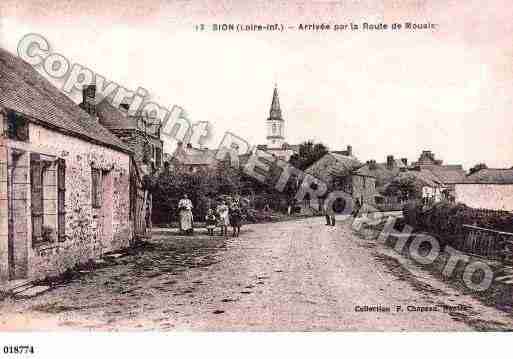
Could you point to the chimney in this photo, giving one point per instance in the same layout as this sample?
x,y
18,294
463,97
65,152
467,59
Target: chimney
x,y
372,164
189,145
89,99
404,161
390,162
349,150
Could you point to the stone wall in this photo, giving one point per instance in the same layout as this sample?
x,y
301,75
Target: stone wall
x,y
87,233
486,196
4,269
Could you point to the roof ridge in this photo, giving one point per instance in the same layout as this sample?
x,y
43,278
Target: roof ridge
x,y
31,94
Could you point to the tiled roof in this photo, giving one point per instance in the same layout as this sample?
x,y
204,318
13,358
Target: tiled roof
x,y
448,176
117,119
381,172
24,90
491,176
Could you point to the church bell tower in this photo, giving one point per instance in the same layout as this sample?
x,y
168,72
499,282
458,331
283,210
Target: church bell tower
x,y
275,124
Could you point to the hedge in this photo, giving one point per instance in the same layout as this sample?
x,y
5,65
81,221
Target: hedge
x,y
447,219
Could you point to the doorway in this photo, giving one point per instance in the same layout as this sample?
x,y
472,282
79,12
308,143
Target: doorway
x,y
106,215
17,187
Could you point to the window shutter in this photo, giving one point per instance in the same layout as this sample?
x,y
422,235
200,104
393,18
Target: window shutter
x,y
61,199
36,187
158,154
96,188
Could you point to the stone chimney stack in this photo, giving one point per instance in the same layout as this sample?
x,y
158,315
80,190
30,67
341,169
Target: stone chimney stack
x,y
89,99
390,162
349,150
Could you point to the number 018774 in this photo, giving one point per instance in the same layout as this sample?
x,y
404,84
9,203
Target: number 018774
x,y
18,349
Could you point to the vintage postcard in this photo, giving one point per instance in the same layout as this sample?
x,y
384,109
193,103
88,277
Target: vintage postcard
x,y
256,166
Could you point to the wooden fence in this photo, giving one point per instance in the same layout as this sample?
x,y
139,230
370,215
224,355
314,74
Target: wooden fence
x,y
486,243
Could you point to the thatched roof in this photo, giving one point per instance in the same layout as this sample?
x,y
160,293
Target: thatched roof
x,y
333,165
423,177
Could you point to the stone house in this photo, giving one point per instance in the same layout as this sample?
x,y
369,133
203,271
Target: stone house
x,y
385,173
448,175
340,172
141,134
430,188
489,188
64,179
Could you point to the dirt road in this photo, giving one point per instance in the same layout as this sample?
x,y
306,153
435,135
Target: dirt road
x,y
293,276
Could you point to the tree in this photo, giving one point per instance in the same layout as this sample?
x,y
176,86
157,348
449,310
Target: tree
x,y
309,153
404,187
477,167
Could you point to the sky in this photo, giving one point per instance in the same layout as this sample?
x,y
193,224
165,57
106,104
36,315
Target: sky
x,y
447,90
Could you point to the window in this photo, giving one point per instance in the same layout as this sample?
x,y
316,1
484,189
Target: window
x,y
96,195
47,190
16,127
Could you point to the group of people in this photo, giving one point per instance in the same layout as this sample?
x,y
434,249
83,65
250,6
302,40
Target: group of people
x,y
222,216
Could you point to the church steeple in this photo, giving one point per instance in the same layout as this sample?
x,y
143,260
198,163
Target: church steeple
x,y
275,111
275,124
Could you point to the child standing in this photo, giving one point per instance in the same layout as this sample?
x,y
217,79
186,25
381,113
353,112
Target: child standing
x,y
210,220
235,218
224,219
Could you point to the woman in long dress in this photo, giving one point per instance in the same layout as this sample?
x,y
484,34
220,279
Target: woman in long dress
x,y
185,214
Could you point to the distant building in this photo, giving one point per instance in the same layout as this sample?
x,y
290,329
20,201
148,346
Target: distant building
x,y
488,188
190,159
429,187
448,175
275,125
385,172
138,131
340,172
